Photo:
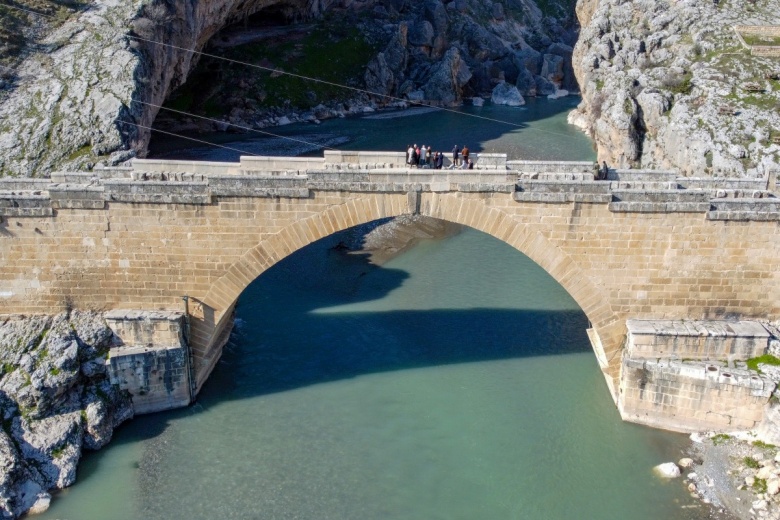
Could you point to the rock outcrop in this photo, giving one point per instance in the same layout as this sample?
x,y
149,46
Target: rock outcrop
x,y
668,85
55,401
94,90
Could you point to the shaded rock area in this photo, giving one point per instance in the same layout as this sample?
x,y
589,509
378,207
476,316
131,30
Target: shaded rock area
x,y
88,91
668,85
385,239
55,401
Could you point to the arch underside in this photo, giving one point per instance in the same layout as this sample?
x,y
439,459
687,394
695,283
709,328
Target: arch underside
x,y
212,314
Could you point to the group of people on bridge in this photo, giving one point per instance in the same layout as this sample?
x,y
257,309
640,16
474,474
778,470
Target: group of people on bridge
x,y
425,157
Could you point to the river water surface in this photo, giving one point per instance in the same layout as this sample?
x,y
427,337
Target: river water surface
x,y
454,382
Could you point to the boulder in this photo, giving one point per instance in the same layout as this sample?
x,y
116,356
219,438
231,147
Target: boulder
x,y
507,94
552,68
559,93
436,14
530,59
421,34
544,87
685,462
667,470
526,83
477,101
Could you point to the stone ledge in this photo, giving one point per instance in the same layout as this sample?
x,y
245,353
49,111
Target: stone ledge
x,y
758,216
551,166
561,197
642,175
673,195
659,207
547,186
696,183
157,192
760,386
716,328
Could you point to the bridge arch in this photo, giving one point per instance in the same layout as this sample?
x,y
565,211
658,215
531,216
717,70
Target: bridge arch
x,y
605,334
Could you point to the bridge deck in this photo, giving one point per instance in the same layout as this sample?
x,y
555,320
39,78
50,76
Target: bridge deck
x,y
549,182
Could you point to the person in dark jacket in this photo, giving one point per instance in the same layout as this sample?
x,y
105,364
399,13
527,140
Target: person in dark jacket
x,y
455,155
438,161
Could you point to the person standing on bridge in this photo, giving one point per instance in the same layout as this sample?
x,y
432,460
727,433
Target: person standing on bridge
x,y
409,154
465,154
438,161
455,155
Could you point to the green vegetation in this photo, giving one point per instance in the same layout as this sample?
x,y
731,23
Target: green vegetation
x,y
766,359
81,152
628,106
679,84
763,445
760,39
16,24
751,463
58,452
759,485
720,438
556,8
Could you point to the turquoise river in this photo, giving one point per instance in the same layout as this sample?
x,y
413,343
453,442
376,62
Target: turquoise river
x,y
454,382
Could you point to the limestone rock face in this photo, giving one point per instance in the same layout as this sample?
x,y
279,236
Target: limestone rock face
x,y
93,88
95,94
663,87
53,408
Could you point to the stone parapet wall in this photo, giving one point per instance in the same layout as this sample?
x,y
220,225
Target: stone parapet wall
x,y
765,50
551,166
763,30
689,397
700,340
157,192
200,167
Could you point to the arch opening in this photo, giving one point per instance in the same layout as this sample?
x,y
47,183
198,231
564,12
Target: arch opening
x,y
222,297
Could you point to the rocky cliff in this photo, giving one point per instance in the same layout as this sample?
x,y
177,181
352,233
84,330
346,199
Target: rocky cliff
x,y
55,400
90,90
669,84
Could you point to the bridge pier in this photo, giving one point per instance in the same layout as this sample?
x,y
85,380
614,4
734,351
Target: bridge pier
x,y
152,359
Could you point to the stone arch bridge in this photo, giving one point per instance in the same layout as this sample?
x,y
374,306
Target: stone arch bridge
x,y
640,245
